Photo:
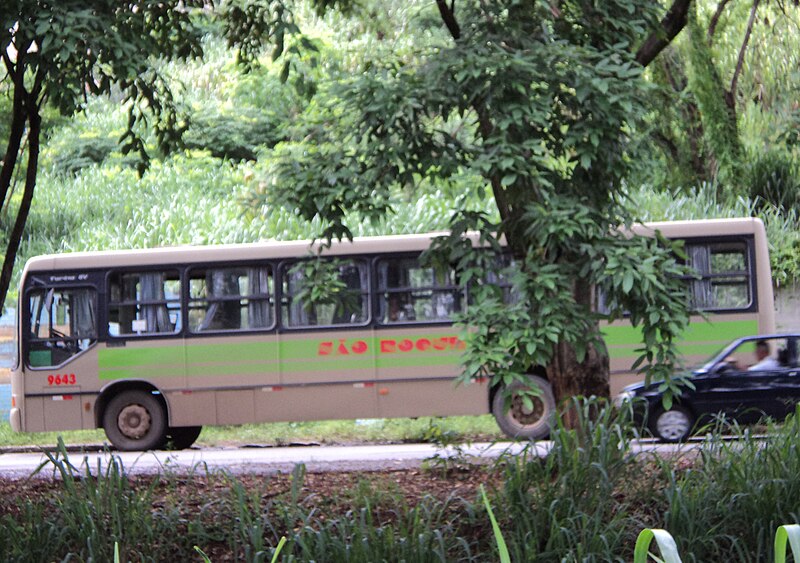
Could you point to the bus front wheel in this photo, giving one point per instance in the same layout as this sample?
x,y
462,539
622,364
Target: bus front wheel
x,y
135,420
527,420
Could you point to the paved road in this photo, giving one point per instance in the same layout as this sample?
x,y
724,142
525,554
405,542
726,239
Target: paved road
x,y
272,459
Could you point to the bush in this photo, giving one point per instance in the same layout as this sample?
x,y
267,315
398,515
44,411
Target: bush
x,y
71,157
773,179
234,137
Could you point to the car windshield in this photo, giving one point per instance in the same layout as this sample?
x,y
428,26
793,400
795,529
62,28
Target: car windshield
x,y
712,359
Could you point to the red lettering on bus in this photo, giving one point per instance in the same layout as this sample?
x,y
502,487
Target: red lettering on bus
x,y
423,344
405,345
359,347
325,349
342,350
388,346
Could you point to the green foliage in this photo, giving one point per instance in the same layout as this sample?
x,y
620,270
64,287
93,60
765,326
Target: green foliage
x,y
235,137
665,542
774,180
535,104
81,153
719,120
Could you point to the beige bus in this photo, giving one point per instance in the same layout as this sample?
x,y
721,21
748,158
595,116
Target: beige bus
x,y
151,345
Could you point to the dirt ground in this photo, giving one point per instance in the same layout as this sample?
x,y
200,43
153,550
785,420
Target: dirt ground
x,y
410,484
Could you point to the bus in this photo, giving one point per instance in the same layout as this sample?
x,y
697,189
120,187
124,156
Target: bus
x,y
152,345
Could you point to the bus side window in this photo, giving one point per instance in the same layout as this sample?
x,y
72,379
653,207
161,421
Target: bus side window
x,y
144,303
230,299
409,292
325,293
63,323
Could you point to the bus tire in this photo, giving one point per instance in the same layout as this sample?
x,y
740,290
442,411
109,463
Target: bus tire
x,y
518,422
135,420
182,437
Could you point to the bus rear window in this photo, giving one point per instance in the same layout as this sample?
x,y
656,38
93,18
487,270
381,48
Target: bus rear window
x,y
724,276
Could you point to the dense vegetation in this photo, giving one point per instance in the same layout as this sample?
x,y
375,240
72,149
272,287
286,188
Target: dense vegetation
x,y
586,501
89,195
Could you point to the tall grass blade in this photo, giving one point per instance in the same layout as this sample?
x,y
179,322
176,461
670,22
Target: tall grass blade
x,y
502,548
202,554
665,542
278,549
791,534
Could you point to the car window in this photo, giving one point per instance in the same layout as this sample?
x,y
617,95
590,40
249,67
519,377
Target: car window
x,y
762,355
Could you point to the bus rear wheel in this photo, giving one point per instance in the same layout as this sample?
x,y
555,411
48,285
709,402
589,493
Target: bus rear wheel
x,y
520,420
182,437
135,420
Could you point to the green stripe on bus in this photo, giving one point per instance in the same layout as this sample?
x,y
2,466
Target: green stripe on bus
x,y
271,356
716,330
130,357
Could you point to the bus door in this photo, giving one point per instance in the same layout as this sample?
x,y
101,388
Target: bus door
x,y
59,338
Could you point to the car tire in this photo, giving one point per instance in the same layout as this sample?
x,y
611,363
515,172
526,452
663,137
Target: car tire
x,y
135,420
673,425
519,423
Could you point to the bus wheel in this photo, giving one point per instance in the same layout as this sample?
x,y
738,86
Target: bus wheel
x,y
182,437
520,421
135,420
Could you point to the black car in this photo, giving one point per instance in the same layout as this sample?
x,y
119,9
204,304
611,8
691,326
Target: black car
x,y
749,379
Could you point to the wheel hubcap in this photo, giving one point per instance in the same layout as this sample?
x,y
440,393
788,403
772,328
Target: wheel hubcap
x,y
134,421
672,425
525,414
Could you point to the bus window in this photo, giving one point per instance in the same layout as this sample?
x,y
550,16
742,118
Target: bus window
x,y
62,324
410,292
227,299
327,293
724,276
144,303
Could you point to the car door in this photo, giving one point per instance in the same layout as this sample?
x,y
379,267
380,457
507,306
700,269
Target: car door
x,y
747,394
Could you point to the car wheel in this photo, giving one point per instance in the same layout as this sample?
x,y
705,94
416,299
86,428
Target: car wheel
x,y
182,437
521,421
135,420
673,425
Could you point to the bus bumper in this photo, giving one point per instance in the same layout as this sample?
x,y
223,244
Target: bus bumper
x,y
15,419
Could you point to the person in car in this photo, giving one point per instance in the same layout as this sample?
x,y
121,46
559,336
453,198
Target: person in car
x,y
763,359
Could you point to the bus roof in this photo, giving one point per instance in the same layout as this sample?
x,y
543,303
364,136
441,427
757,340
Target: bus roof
x,y
359,245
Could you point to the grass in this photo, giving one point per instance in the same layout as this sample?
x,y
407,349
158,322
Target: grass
x,y
462,428
588,500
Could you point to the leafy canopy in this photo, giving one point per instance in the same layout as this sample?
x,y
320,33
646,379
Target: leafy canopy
x,y
538,100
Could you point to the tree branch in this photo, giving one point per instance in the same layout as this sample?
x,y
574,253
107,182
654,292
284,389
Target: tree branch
x,y
712,27
448,14
731,97
670,26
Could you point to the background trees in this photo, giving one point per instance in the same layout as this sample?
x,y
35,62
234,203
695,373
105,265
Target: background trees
x,y
381,119
57,54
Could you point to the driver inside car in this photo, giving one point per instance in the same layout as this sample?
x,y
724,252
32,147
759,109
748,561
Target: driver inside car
x,y
764,361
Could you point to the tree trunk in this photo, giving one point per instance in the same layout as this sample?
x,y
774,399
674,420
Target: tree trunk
x,y
18,116
35,122
571,378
